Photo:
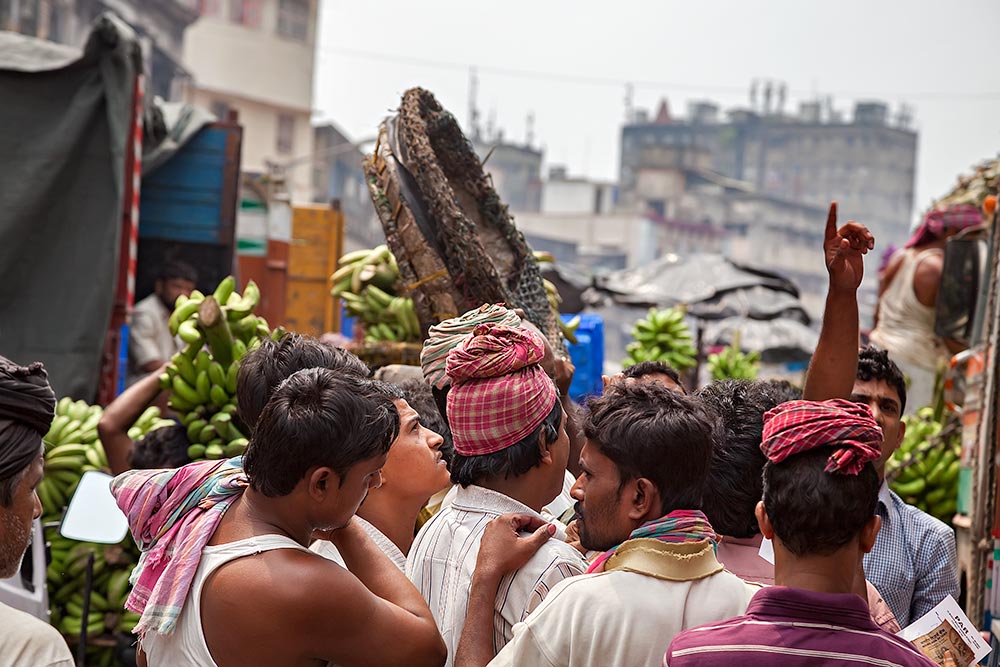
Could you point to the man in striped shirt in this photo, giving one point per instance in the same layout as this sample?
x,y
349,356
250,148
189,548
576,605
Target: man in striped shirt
x,y
511,450
820,494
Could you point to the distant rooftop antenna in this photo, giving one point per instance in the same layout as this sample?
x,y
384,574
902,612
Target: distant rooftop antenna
x,y
473,110
529,129
629,106
753,95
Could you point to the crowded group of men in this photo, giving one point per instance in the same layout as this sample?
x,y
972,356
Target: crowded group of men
x,y
626,532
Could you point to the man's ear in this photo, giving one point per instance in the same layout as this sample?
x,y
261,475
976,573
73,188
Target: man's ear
x,y
545,448
763,521
321,482
644,502
902,433
869,533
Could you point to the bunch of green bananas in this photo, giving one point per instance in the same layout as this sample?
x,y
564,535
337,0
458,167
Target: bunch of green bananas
x,y
555,300
924,470
149,420
366,280
71,449
218,330
110,588
734,364
662,336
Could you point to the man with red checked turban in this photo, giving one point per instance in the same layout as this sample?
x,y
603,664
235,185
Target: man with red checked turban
x,y
511,449
820,493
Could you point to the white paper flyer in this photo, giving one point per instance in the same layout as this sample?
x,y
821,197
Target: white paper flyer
x,y
947,628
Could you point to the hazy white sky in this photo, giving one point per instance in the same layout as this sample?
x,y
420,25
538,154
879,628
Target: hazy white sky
x,y
567,63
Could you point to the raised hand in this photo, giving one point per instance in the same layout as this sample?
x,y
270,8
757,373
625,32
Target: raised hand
x,y
844,251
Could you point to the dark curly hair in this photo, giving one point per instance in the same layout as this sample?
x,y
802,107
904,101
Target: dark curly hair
x,y
644,368
812,511
164,447
318,417
735,485
652,432
266,366
510,462
875,364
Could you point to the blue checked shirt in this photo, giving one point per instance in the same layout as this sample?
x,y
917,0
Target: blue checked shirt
x,y
914,564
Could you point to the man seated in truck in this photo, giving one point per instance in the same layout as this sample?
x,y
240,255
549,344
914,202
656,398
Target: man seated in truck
x,y
150,342
27,406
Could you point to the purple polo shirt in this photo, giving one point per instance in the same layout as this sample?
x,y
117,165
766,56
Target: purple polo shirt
x,y
786,627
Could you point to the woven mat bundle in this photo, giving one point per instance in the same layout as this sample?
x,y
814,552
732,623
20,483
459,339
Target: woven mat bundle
x,y
454,240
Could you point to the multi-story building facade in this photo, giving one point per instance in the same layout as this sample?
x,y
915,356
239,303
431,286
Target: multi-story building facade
x,y
257,57
160,27
867,165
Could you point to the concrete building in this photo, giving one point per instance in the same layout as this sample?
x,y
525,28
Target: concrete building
x,y
337,174
256,57
159,25
516,170
812,157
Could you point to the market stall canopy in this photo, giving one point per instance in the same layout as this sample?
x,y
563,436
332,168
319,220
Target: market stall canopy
x,y
780,340
710,285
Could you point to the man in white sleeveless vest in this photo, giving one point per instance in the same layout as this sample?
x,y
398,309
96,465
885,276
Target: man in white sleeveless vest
x,y
904,319
227,578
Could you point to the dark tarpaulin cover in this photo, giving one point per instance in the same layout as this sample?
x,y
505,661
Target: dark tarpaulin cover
x,y
63,137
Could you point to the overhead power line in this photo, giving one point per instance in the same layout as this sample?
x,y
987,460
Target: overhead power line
x,y
563,77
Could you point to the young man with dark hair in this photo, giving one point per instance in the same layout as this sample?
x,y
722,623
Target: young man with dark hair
x,y
414,471
27,406
226,576
734,479
266,366
914,563
820,493
645,463
735,484
511,447
150,341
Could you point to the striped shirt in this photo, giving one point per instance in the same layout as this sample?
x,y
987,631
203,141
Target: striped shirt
x,y
914,564
443,558
793,627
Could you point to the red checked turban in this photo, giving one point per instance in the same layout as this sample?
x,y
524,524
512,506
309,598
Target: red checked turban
x,y
499,394
445,336
799,426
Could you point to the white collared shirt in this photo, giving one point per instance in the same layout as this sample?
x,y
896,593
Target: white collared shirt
x,y
443,559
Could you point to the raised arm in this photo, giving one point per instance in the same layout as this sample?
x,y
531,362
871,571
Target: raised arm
x,y
834,364
119,416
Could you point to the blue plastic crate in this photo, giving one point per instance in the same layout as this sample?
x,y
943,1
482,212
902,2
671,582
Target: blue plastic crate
x,y
587,356
122,360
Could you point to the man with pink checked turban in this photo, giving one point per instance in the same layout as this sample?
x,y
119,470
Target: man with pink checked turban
x,y
511,449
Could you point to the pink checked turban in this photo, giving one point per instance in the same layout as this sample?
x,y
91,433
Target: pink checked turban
x,y
799,426
499,394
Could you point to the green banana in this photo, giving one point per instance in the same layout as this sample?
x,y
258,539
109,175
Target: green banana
x,y
182,314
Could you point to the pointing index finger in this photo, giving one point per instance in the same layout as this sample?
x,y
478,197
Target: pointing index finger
x,y
831,221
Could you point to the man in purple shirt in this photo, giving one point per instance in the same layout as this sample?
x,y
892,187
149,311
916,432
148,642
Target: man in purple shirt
x,y
820,494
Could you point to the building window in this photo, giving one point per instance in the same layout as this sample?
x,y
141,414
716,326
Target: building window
x,y
245,12
293,19
286,133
